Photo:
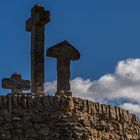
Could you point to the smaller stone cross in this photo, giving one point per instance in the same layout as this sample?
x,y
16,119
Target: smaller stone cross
x,y
63,52
15,83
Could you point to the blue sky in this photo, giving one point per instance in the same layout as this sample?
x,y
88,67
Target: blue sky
x,y
104,31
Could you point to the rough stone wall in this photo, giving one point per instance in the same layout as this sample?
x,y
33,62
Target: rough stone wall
x,y
64,118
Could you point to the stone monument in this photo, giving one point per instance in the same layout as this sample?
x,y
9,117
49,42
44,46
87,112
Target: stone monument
x,y
16,83
36,25
30,117
63,52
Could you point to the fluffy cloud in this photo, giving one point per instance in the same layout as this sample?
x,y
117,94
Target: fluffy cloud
x,y
133,108
120,88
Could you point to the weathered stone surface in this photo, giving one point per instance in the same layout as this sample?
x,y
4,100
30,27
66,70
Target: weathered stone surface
x,y
16,83
64,52
64,118
36,25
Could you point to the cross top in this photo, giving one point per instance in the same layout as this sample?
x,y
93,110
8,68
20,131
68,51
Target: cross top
x,y
63,50
17,77
39,16
16,83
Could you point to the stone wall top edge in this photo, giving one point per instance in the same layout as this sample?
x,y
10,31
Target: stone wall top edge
x,y
86,104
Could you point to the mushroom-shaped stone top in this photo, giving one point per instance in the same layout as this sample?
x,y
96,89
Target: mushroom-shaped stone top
x,y
63,49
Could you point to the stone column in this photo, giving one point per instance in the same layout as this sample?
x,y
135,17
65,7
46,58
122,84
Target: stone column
x,y
63,74
64,52
36,25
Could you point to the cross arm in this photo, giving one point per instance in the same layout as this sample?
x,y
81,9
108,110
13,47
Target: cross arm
x,y
8,83
29,23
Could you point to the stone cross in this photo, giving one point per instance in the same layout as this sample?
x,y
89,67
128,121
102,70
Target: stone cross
x,y
15,83
63,52
36,25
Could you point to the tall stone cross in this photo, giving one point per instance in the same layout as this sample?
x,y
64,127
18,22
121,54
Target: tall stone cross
x,y
36,25
16,83
63,52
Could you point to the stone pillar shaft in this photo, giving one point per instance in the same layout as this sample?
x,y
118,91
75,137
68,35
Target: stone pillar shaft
x,y
63,74
37,59
36,25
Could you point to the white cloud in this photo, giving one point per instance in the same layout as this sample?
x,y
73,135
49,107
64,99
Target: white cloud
x,y
124,83
133,108
50,88
129,69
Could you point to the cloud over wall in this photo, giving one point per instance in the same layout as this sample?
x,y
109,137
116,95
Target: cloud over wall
x,y
120,88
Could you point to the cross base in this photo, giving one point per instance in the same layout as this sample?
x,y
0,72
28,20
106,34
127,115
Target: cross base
x,y
62,93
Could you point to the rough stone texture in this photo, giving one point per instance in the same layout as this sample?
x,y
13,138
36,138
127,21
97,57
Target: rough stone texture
x,y
63,74
64,52
64,118
15,83
36,25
